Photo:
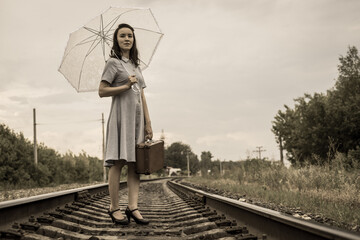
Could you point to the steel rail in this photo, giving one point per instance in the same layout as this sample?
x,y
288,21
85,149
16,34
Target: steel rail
x,y
20,209
261,220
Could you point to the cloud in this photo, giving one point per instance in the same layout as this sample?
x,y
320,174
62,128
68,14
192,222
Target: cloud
x,y
214,140
61,98
220,73
88,137
19,100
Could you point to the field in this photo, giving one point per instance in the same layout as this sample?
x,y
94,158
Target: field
x,y
329,194
11,194
18,192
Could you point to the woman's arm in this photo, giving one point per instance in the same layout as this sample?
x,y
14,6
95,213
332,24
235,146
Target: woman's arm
x,y
148,129
105,90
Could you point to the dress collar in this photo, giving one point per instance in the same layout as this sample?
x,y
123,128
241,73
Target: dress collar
x,y
124,59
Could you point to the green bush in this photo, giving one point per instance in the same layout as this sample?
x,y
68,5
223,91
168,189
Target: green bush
x,y
18,170
329,189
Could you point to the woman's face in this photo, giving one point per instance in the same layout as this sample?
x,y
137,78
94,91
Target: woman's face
x,y
125,38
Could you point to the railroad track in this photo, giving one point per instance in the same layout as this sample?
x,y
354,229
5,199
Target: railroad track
x,y
175,211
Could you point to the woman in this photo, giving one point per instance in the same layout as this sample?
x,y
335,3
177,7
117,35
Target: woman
x,y
128,121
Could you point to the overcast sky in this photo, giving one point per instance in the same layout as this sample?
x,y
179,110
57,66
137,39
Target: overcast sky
x,y
221,72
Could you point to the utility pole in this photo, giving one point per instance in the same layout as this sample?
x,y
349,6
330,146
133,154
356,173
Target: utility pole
x,y
103,143
220,168
188,164
259,151
35,145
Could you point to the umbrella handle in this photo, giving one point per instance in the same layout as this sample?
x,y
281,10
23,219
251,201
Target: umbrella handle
x,y
135,88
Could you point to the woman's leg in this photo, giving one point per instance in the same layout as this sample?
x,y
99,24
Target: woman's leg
x,y
114,181
133,184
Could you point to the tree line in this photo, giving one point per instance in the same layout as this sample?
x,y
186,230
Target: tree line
x,y
176,156
323,124
18,170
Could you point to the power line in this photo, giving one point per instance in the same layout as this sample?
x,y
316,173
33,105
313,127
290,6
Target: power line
x,y
259,151
54,123
35,141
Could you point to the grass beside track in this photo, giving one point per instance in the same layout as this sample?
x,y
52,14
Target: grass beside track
x,y
8,194
16,192
329,195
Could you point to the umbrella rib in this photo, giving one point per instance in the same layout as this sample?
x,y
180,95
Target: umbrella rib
x,y
147,30
87,54
96,32
102,34
131,10
101,23
155,19
108,44
108,36
91,48
82,43
143,29
85,40
144,63
112,22
109,47
72,49
157,44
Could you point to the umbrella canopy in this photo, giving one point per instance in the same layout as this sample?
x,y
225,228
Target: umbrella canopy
x,y
89,47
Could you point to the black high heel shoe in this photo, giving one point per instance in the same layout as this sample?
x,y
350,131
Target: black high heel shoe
x,y
129,213
124,221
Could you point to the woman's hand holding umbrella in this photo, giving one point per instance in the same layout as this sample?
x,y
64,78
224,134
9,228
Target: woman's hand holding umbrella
x,y
132,80
133,84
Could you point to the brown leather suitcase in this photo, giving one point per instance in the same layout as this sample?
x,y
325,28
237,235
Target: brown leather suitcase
x,y
149,157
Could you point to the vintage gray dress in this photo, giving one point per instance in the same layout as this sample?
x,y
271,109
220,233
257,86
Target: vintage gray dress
x,y
125,127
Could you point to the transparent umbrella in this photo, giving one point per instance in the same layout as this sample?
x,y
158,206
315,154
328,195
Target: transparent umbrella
x,y
88,48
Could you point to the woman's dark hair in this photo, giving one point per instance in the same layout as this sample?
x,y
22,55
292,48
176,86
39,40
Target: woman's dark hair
x,y
116,51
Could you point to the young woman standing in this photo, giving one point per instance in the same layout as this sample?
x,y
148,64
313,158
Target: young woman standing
x,y
129,121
